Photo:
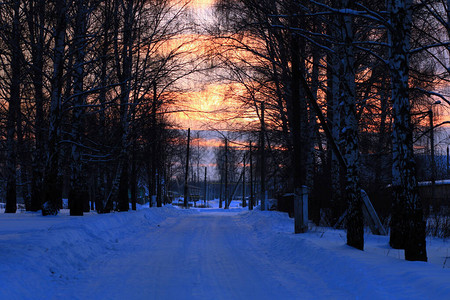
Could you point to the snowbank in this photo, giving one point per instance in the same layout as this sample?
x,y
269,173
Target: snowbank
x,y
37,250
378,272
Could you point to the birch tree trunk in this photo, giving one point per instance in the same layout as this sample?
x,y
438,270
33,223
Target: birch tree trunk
x,y
382,139
77,184
448,23
123,59
334,120
125,88
407,222
13,111
355,222
312,133
24,160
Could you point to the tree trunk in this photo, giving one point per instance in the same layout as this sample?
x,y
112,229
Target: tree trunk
x,y
24,161
51,188
35,20
407,222
123,54
355,222
337,202
382,138
104,59
149,181
123,203
315,206
13,111
133,179
158,188
77,186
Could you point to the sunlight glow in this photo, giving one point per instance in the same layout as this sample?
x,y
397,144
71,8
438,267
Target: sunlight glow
x,y
201,3
214,107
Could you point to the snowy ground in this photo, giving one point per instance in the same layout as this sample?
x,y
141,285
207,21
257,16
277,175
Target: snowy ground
x,y
171,253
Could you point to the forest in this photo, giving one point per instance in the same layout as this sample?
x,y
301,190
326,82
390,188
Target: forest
x,y
335,95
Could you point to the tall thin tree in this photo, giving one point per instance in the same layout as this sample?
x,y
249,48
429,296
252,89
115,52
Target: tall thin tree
x,y
407,222
13,110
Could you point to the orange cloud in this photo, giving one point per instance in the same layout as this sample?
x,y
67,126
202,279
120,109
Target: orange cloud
x,y
201,3
215,106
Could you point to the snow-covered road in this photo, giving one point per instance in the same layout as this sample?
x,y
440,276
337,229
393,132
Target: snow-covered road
x,y
196,256
168,253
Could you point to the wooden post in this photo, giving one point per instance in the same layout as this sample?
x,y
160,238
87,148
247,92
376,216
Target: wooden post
x,y
263,160
250,205
186,192
301,209
371,216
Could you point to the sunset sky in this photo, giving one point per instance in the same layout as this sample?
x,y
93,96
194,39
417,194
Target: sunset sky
x,y
209,105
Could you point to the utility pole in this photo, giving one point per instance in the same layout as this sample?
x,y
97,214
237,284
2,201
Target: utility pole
x,y
154,157
204,192
250,205
186,203
448,161
221,190
227,204
263,160
198,159
433,163
244,203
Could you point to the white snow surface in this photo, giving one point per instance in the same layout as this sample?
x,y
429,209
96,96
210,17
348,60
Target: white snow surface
x,y
173,253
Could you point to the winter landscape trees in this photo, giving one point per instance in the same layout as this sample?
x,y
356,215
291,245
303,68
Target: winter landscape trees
x,y
81,79
333,94
340,48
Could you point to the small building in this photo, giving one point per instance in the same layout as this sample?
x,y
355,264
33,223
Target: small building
x,y
435,197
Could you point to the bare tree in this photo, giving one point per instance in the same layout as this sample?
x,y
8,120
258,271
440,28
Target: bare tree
x,y
78,183
51,187
13,41
35,14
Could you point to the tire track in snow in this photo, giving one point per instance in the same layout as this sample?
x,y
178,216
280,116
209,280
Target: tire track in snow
x,y
195,256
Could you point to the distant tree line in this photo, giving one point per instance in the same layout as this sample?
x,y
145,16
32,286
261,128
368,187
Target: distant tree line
x,y
85,87
344,86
